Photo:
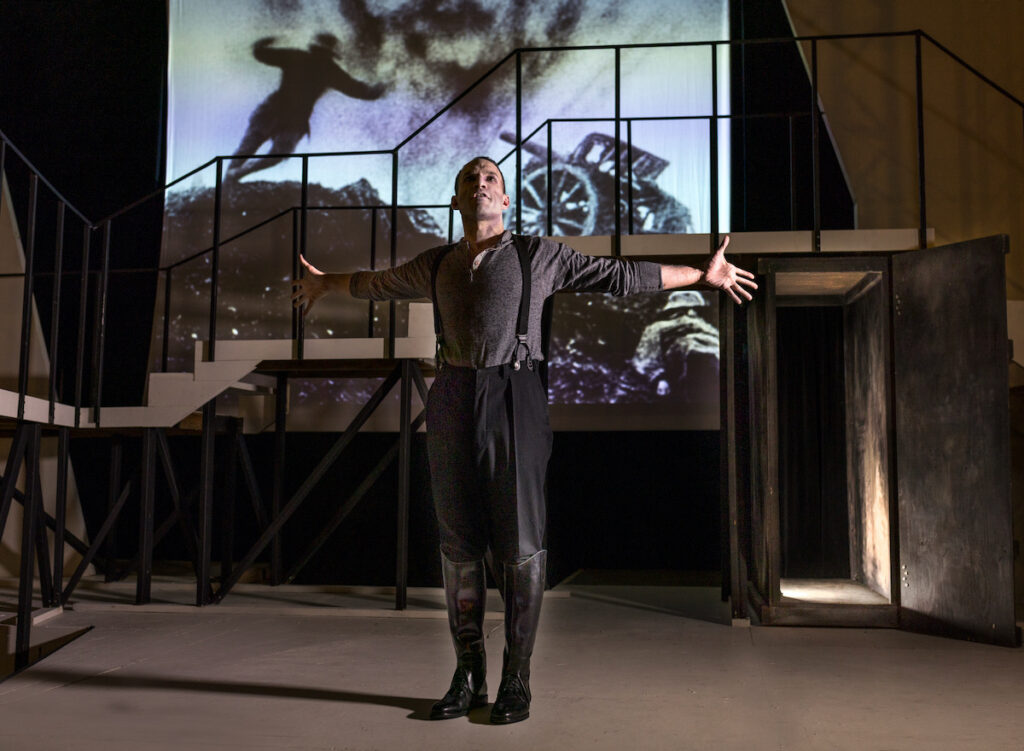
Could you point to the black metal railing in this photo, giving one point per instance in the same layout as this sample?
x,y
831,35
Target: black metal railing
x,y
622,159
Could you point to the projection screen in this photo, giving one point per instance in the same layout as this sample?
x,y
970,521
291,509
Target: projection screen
x,y
294,77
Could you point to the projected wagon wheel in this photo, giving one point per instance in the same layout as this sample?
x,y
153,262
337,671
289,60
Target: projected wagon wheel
x,y
574,201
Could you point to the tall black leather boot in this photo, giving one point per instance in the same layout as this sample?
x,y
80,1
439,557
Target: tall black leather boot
x,y
465,590
524,593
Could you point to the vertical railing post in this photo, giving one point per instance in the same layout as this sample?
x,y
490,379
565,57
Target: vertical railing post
x,y
100,326
26,300
277,498
165,350
519,142
300,345
392,305
373,263
114,489
629,176
550,223
617,171
227,505
713,150
58,276
83,306
207,448
404,453
218,190
30,518
922,228
792,177
60,510
296,274
815,157
147,479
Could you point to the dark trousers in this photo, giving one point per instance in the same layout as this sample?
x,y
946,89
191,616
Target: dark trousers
x,y
488,442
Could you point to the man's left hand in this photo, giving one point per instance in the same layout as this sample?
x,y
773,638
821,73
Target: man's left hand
x,y
721,274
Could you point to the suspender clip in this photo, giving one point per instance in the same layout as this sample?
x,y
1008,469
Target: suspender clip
x,y
521,342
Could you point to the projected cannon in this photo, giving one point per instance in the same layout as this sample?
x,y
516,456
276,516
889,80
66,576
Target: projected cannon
x,y
582,193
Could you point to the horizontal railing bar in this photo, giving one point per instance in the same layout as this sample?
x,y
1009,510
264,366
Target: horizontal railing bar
x,y
973,70
78,272
35,170
456,100
387,207
715,42
300,154
638,45
154,193
242,233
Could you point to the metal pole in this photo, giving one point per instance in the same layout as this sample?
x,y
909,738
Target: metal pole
x,y
629,176
26,300
46,594
278,495
83,303
227,506
60,512
206,462
922,229
617,242
211,343
551,188
743,114
296,273
113,489
100,326
300,345
373,263
392,305
165,351
519,142
58,274
404,452
815,161
144,575
792,178
28,536
713,156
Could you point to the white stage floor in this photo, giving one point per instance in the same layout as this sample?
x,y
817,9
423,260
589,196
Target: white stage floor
x,y
614,668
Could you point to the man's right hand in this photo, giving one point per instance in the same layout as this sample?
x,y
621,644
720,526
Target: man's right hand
x,y
311,287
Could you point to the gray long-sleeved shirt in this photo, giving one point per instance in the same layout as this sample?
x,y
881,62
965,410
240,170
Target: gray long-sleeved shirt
x,y
479,302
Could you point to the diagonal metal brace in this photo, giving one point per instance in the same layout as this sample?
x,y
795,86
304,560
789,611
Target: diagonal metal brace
x,y
311,481
346,508
101,536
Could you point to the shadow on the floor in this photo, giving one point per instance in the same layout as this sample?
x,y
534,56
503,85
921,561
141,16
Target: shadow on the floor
x,y
418,708
45,641
689,594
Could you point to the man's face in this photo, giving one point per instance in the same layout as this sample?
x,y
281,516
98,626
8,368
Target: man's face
x,y
480,191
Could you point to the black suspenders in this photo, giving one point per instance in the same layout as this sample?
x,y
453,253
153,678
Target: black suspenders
x,y
522,245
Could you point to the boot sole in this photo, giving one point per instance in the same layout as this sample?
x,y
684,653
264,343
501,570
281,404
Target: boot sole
x,y
508,719
479,701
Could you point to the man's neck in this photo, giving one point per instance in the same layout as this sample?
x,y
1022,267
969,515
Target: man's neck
x,y
481,235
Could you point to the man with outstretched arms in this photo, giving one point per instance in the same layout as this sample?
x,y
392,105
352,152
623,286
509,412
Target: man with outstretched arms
x,y
488,436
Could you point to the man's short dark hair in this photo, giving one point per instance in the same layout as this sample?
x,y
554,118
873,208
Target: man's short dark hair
x,y
474,159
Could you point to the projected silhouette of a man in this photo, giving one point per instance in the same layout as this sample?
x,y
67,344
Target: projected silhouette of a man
x,y
283,117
